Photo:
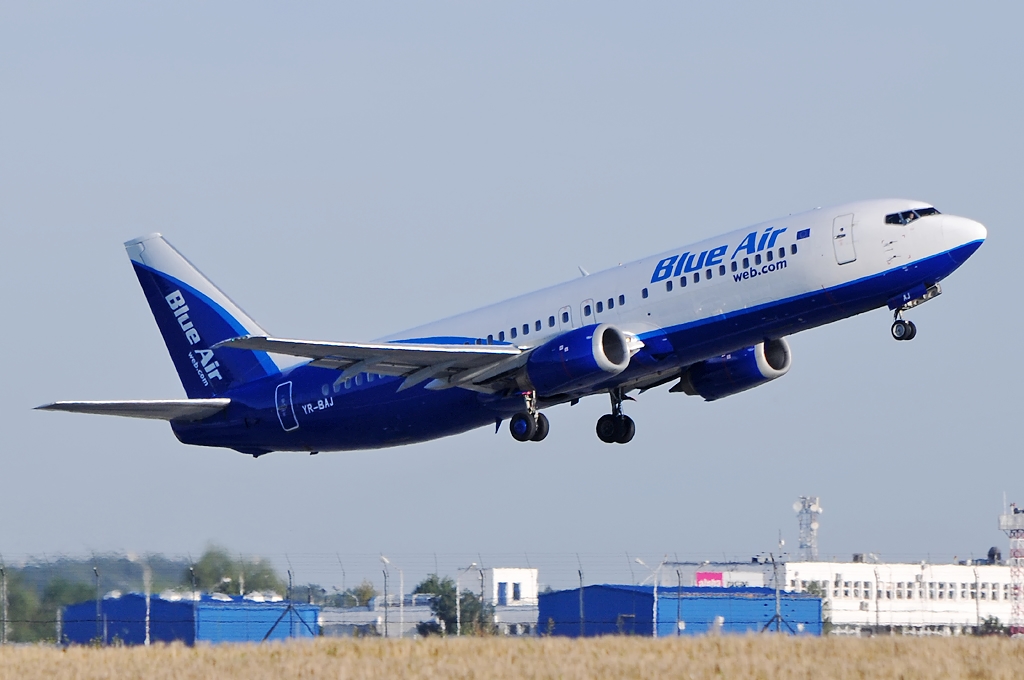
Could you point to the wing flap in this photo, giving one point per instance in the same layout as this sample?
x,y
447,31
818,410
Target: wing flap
x,y
154,409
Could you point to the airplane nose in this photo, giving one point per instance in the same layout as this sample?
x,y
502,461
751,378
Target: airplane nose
x,y
963,236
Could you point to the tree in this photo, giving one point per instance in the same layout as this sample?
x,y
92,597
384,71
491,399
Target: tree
x,y
476,618
217,572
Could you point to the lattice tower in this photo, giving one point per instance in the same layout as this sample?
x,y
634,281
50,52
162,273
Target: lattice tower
x,y
808,509
1013,524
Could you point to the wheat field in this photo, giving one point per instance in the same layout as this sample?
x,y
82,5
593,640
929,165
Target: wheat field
x,y
763,656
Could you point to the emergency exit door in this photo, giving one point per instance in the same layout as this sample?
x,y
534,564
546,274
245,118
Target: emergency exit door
x,y
285,409
842,239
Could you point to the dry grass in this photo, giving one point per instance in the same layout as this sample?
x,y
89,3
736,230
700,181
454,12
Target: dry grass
x,y
721,657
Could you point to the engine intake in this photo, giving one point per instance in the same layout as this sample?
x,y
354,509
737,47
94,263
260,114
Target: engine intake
x,y
736,372
577,359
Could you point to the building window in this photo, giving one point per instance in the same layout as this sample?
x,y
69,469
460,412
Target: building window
x,y
643,293
517,592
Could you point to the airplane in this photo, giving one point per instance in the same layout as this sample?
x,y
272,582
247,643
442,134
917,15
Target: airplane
x,y
712,318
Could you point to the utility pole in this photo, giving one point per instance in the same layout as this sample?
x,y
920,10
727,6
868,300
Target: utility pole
x,y
655,573
3,606
458,598
583,631
385,601
99,613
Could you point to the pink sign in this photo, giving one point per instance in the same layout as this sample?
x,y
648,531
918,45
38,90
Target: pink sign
x,y
709,579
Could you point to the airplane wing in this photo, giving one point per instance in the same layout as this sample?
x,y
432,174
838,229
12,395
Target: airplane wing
x,y
156,409
473,367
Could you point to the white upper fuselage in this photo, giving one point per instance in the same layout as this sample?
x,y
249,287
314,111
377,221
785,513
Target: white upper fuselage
x,y
876,247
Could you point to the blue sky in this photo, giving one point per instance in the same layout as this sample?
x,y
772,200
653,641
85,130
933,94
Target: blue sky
x,y
345,171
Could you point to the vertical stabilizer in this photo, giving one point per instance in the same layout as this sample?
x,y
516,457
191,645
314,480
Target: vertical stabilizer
x,y
193,315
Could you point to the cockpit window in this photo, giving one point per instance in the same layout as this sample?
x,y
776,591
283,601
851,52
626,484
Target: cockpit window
x,y
909,216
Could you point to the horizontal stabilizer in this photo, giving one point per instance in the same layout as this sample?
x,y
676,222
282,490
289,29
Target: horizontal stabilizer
x,y
155,409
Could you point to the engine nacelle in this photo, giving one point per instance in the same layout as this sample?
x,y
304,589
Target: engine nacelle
x,y
736,372
577,359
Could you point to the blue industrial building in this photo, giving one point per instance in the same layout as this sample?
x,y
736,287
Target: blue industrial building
x,y
208,619
629,610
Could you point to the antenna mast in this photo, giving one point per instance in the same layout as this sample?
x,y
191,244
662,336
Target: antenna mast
x,y
808,510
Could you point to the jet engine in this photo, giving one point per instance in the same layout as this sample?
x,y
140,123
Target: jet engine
x,y
733,373
577,359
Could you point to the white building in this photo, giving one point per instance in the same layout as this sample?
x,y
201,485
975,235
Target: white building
x,y
510,587
861,598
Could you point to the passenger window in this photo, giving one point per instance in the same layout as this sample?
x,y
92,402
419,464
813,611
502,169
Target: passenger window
x,y
622,300
326,389
537,325
565,317
611,303
501,336
526,329
513,333
337,387
586,310
770,255
348,383
757,259
696,277
682,282
668,285
746,263
551,321
707,274
359,379
782,252
792,249
490,339
721,270
369,377
600,307
734,266
643,293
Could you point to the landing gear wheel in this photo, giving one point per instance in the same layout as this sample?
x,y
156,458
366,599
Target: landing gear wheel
x,y
625,428
607,428
542,428
523,427
901,330
913,331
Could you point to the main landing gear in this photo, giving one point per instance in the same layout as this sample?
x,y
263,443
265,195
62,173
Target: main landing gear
x,y
903,330
530,425
616,427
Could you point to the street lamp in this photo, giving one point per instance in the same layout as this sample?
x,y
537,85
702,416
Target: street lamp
x,y
401,597
458,598
655,573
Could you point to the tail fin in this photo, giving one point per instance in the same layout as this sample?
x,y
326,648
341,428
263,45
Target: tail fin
x,y
193,315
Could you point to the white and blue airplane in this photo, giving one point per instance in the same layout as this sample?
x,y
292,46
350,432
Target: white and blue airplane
x,y
711,317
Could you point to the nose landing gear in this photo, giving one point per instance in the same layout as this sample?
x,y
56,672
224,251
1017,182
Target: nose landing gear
x,y
616,427
903,330
531,425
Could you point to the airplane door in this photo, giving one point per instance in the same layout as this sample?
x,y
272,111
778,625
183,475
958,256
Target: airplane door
x,y
285,409
587,312
565,318
842,239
